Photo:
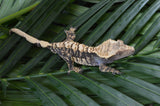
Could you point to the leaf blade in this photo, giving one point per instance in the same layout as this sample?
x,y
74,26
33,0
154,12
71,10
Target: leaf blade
x,y
150,33
102,91
131,33
124,20
68,93
41,93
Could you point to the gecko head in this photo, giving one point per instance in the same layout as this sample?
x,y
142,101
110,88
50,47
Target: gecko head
x,y
121,50
113,50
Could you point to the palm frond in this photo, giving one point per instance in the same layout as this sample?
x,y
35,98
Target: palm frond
x,y
9,7
31,76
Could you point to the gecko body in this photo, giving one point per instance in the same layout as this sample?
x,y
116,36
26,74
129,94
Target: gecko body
x,y
72,51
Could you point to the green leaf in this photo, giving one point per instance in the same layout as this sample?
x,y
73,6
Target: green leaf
x,y
72,96
140,87
89,101
82,30
4,86
150,33
105,92
143,68
103,26
157,44
27,68
147,59
19,13
9,7
92,1
123,21
149,23
77,10
131,33
47,99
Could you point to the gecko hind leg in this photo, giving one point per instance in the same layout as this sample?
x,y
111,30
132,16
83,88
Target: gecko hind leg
x,y
104,68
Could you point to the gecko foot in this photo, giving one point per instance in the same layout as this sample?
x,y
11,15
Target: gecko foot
x,y
104,68
76,69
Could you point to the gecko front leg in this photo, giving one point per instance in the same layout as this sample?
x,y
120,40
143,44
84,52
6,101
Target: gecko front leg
x,y
70,64
104,68
71,67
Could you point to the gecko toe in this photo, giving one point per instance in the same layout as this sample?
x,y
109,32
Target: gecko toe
x,y
116,72
75,69
78,70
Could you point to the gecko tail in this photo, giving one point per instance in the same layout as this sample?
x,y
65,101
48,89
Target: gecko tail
x,y
30,39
